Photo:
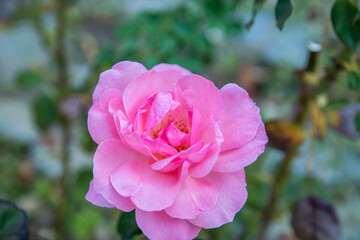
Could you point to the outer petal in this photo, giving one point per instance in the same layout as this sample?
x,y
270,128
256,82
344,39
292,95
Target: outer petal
x,y
240,117
109,96
101,124
236,159
146,84
109,155
165,66
149,190
232,197
160,226
194,195
96,198
118,77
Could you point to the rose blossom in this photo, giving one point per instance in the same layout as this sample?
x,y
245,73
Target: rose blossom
x,y
173,147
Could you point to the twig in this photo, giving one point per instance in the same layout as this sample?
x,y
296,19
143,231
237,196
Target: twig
x,y
283,173
62,71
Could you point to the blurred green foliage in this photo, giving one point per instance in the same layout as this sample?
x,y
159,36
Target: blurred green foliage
x,y
200,36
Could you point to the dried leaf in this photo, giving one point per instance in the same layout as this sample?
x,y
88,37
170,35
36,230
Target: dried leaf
x,y
314,219
284,135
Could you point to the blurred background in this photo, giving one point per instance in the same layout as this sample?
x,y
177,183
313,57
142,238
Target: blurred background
x,y
305,79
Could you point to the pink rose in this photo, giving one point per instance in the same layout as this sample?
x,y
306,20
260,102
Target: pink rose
x,y
173,147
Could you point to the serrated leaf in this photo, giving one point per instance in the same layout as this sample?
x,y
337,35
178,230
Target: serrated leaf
x,y
345,18
338,104
45,112
258,4
354,81
283,11
13,222
357,121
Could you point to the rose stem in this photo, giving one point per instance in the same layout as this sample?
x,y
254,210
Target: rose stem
x,y
284,169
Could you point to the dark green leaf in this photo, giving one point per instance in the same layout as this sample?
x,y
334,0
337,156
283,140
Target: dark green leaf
x,y
354,81
45,112
13,223
127,226
283,11
258,4
28,79
338,104
345,18
357,121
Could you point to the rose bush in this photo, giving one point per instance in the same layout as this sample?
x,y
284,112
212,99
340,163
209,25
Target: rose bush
x,y
173,147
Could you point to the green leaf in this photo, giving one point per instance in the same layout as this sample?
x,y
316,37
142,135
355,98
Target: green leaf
x,y
13,222
258,4
45,112
29,79
127,226
357,121
283,11
354,81
338,104
345,18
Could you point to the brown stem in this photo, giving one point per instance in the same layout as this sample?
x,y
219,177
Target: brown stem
x,y
277,187
284,168
59,52
62,71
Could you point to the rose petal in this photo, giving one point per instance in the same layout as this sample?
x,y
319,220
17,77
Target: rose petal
x,y
202,168
159,108
214,137
171,163
96,198
238,158
159,146
240,117
101,124
160,226
194,195
108,96
108,156
205,96
165,66
146,84
149,190
195,126
232,197
118,77
177,137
